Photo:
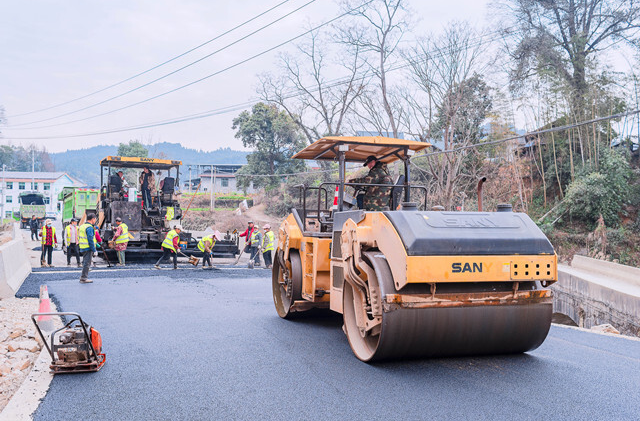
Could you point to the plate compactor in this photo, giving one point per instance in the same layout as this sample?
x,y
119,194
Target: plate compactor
x,y
410,282
74,348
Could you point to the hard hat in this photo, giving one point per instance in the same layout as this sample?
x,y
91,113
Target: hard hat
x,y
250,222
118,219
178,227
48,221
267,226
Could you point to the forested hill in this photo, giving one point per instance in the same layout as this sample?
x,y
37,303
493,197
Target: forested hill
x,y
85,163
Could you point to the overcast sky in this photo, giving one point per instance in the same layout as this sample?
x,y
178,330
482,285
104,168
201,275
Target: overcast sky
x,y
55,51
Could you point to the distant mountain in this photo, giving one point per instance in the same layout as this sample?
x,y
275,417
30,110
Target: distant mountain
x,y
84,164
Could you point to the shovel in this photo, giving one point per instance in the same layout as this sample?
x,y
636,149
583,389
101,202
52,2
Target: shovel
x,y
192,259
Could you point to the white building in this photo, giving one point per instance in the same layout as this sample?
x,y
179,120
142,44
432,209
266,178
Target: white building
x,y
50,184
223,181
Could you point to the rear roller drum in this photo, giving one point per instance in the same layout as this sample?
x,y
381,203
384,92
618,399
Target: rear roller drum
x,y
286,282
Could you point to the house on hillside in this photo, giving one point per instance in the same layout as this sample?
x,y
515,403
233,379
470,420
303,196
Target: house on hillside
x,y
221,180
48,183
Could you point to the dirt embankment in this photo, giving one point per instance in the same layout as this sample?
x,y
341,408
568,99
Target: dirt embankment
x,y
199,217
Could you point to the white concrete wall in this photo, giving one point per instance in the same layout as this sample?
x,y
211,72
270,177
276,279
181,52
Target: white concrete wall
x,y
14,265
593,292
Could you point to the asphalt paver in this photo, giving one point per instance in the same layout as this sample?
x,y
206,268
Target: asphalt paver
x,y
193,345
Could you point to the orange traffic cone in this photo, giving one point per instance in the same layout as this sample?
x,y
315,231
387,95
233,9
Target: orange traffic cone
x,y
335,201
45,322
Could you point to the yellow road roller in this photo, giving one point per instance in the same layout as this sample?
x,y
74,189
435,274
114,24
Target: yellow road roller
x,y
412,282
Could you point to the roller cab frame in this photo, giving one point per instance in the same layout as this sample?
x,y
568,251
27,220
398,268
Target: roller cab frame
x,y
411,282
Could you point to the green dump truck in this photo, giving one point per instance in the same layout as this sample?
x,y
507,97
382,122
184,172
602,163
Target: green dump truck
x,y
76,202
31,204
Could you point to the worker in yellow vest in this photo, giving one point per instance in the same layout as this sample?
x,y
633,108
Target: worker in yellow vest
x,y
71,241
205,245
268,244
87,242
121,239
48,242
170,246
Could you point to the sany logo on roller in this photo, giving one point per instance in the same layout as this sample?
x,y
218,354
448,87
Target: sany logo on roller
x,y
468,267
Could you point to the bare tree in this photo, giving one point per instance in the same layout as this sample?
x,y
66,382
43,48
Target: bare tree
x,y
378,29
317,105
449,104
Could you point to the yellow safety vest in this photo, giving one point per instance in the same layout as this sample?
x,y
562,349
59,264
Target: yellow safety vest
x,y
124,237
254,237
170,213
83,242
67,234
270,240
208,238
168,240
44,234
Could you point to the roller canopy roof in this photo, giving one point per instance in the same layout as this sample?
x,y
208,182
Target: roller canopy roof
x,y
384,148
133,162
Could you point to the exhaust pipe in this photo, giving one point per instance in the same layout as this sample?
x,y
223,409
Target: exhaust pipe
x,y
480,183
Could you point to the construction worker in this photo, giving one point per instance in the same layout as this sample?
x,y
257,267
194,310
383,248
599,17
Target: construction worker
x,y
87,242
71,240
254,240
268,244
33,224
376,198
205,245
48,241
147,186
170,246
121,240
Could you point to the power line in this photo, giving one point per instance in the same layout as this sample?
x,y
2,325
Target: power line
x,y
159,78
156,66
215,73
533,133
205,114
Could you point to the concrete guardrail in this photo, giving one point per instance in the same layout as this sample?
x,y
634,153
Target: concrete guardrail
x,y
14,265
594,292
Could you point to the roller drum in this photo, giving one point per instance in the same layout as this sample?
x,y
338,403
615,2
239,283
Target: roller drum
x,y
450,331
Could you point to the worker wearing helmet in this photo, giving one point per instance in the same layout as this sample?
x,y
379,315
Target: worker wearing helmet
x,y
71,240
170,246
121,240
376,198
205,245
254,242
268,244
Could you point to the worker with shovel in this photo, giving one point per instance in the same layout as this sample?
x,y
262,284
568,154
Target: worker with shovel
x,y
170,246
205,245
254,242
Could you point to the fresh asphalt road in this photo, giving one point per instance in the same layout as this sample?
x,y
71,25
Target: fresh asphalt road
x,y
191,344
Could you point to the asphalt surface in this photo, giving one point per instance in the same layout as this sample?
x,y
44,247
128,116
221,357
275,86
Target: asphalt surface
x,y
194,344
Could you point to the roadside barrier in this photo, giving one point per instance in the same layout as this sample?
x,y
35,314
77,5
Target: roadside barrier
x,y
14,265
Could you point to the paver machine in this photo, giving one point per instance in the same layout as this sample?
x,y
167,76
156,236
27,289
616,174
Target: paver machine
x,y
410,282
148,224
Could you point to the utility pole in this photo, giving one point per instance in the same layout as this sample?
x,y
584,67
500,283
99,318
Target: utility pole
x,y
4,186
33,168
211,192
189,178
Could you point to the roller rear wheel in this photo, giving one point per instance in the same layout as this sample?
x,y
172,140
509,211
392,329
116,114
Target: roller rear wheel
x,y
286,292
